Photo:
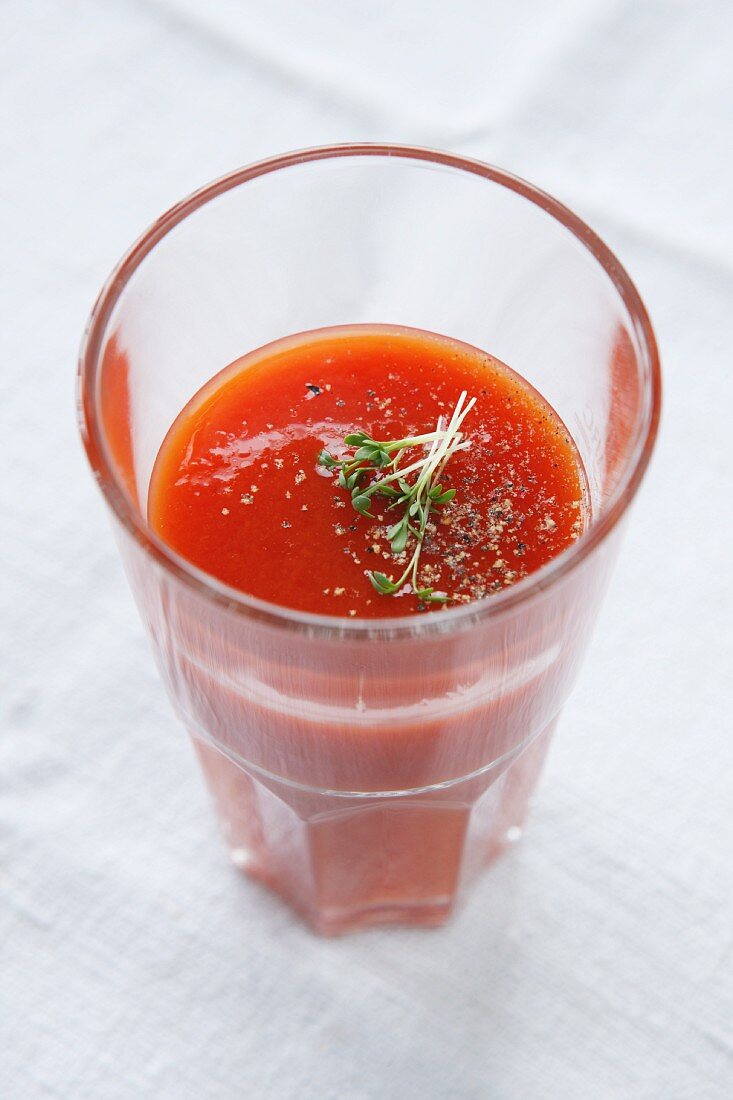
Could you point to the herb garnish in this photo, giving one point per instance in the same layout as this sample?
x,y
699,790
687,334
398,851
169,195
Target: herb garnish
x,y
380,461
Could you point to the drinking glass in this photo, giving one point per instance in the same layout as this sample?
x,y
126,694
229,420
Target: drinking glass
x,y
368,771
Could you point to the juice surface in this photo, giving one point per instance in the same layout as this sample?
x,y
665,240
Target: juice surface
x,y
238,491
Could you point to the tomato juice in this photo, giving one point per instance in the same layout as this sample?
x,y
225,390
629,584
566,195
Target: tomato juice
x,y
237,488
365,781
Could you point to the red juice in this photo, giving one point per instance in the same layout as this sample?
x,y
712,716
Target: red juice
x,y
335,786
238,491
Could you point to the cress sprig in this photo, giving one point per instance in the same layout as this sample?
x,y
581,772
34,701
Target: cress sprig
x,y
380,460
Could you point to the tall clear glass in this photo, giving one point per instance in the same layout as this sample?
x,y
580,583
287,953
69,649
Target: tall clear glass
x,y
368,771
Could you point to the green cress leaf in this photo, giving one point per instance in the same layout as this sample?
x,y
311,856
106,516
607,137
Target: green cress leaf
x,y
419,496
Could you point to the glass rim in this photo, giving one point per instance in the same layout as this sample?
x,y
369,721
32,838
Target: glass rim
x,y
445,621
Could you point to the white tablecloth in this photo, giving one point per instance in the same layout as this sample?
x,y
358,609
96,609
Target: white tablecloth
x,y
596,960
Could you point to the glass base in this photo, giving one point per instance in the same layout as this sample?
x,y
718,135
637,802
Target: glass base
x,y
333,921
347,863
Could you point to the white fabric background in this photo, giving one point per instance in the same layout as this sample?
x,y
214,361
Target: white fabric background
x,y
597,960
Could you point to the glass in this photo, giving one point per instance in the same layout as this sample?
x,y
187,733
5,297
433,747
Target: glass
x,y
367,772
